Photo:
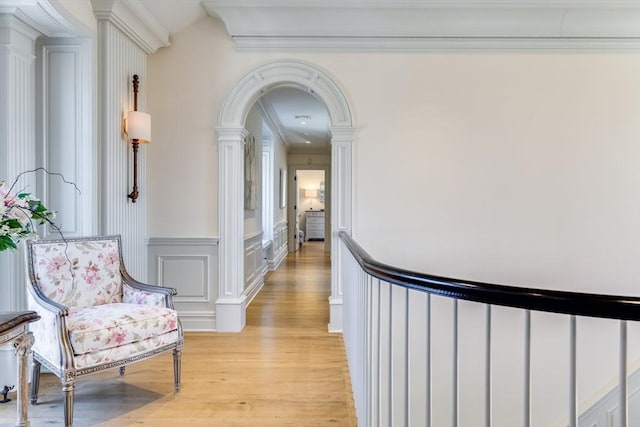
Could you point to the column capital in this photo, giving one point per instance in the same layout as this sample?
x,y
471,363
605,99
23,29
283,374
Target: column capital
x,y
342,134
227,134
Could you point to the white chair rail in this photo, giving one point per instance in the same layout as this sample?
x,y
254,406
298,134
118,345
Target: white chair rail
x,y
432,351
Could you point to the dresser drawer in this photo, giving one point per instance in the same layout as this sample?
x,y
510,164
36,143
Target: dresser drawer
x,y
315,225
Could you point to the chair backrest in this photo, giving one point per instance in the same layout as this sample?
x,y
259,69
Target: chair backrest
x,y
77,272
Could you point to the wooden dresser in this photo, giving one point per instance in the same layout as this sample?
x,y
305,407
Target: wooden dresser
x,y
315,225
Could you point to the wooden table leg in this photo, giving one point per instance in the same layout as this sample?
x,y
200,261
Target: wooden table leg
x,y
22,346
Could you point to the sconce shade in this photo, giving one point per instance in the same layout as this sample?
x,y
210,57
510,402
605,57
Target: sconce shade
x,y
139,126
311,193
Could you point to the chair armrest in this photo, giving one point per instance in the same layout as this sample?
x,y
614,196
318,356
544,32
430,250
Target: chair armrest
x,y
135,292
50,332
43,302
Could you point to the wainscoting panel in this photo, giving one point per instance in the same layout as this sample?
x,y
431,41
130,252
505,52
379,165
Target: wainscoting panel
x,y
605,412
255,266
190,265
278,251
190,272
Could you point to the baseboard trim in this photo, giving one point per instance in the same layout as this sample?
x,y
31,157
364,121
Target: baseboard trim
x,y
198,321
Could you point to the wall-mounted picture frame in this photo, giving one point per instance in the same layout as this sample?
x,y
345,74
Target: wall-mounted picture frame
x,y
250,174
283,188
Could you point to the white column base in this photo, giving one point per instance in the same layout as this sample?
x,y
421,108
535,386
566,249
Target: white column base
x,y
335,315
231,314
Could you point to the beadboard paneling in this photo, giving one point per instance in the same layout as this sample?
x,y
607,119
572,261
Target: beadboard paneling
x,y
119,58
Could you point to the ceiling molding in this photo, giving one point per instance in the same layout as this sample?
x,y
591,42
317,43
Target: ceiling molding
x,y
429,25
46,17
273,120
427,44
135,21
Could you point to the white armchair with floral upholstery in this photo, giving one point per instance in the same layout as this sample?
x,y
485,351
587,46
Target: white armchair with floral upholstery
x,y
94,315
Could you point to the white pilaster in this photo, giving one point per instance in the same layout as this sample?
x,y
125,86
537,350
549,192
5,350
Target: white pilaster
x,y
65,139
17,136
17,154
267,189
231,302
341,214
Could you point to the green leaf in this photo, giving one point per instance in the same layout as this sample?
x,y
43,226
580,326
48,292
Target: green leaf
x,y
13,223
6,243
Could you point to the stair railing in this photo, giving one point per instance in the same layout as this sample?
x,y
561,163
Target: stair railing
x,y
411,338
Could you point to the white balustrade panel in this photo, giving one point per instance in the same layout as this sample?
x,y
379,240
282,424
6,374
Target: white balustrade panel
x,y
424,360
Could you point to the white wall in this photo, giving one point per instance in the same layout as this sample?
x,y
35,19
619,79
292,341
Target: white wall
x,y
501,160
502,167
507,168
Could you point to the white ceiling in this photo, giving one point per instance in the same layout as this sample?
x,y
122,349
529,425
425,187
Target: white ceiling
x,y
301,120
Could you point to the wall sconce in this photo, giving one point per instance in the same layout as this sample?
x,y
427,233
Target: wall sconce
x,y
138,130
311,194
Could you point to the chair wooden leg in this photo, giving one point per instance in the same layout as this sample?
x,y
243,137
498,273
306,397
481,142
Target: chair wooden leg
x,y
68,389
35,381
177,357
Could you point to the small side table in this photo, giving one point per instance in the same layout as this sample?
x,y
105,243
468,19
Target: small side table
x,y
13,328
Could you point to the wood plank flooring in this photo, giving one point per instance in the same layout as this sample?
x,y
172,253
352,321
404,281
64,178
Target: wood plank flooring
x,y
284,369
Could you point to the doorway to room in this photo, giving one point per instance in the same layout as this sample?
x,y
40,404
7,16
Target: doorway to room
x,y
311,216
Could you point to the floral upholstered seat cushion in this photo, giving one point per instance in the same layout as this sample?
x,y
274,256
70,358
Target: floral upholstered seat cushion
x,y
113,325
125,351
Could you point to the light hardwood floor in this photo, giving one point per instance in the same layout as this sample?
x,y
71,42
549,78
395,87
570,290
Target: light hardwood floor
x,y
284,369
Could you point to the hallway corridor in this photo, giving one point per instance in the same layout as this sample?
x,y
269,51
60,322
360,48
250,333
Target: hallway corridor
x,y
284,369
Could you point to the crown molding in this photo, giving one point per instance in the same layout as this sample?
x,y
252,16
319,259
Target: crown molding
x,y
272,119
134,20
381,25
45,17
433,44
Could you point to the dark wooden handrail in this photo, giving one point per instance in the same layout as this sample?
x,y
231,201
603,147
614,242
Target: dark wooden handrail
x,y
574,303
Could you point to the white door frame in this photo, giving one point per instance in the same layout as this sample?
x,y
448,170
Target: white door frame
x,y
231,302
326,168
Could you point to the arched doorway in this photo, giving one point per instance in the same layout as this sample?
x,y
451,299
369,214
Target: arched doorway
x,y
231,302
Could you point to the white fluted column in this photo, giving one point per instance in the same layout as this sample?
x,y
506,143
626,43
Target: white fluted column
x,y
231,302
